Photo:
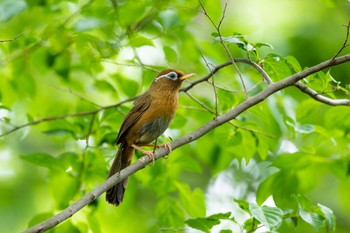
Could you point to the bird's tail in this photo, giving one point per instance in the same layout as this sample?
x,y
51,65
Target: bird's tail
x,y
123,158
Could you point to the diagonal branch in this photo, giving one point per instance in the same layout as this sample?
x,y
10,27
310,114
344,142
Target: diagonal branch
x,y
317,96
216,122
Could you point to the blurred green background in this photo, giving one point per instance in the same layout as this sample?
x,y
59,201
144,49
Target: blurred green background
x,y
77,56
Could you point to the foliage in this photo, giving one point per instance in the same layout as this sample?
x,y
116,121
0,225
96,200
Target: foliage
x,y
66,66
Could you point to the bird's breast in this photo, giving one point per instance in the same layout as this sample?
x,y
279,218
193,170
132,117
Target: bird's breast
x,y
151,130
156,120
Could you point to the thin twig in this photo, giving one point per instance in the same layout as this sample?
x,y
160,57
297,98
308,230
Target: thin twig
x,y
321,98
226,89
13,39
346,40
223,43
230,123
83,162
199,102
75,94
213,85
143,66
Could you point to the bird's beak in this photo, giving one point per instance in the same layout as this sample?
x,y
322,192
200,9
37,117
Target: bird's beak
x,y
186,76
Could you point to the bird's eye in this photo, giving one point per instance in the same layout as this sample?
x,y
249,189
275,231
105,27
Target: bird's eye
x,y
172,75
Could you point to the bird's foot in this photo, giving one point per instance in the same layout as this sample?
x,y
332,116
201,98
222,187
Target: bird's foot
x,y
167,145
145,152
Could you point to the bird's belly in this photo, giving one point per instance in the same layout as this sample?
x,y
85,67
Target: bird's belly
x,y
150,131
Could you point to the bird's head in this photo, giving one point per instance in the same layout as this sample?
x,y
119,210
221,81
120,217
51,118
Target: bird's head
x,y
170,80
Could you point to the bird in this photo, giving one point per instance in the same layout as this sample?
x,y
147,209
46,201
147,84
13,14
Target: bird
x,y
149,117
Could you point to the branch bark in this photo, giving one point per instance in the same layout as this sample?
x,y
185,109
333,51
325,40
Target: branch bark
x,y
216,122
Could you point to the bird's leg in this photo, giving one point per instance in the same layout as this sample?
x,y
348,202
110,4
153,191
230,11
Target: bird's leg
x,y
145,152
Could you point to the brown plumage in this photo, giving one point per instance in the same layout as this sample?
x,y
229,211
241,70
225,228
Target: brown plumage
x,y
149,117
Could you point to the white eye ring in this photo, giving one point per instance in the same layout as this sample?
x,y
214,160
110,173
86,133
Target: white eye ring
x,y
172,75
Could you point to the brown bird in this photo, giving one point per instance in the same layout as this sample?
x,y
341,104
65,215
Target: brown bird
x,y
149,117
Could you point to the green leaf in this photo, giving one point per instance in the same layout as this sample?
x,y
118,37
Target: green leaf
x,y
188,163
4,107
276,66
104,86
67,226
330,217
140,41
225,231
64,195
271,217
281,185
128,86
309,213
294,63
170,54
169,18
259,45
207,223
315,220
193,202
236,39
94,223
169,213
244,205
44,160
88,23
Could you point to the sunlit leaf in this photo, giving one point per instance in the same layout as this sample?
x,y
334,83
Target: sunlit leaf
x,y
140,41
88,24
315,220
329,215
258,45
271,217
169,18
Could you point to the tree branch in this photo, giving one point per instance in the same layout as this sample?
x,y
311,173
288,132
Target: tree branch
x,y
143,161
302,87
315,95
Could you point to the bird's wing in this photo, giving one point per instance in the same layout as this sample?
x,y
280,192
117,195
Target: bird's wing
x,y
141,105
